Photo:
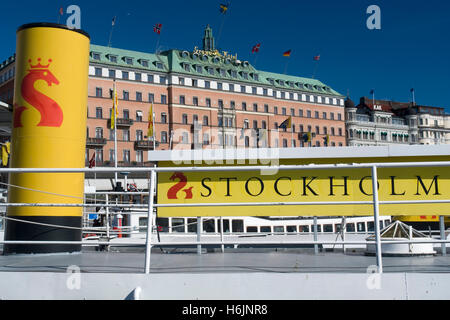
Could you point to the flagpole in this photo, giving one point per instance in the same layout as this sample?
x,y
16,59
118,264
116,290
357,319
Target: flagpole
x,y
115,131
285,68
111,32
292,134
315,69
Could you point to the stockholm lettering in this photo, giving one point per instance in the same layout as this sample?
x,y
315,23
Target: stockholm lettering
x,y
309,186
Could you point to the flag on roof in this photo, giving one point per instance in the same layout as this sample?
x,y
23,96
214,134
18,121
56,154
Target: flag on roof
x,y
256,48
92,161
286,124
287,53
317,58
113,21
157,28
372,91
223,8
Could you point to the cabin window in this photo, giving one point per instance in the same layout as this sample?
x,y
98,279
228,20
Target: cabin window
x,y
265,229
192,225
209,226
303,228
338,228
291,228
328,228
178,225
370,226
142,224
226,225
279,229
381,225
361,227
252,229
350,227
238,225
162,223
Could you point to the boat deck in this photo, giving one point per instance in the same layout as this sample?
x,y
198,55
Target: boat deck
x,y
232,261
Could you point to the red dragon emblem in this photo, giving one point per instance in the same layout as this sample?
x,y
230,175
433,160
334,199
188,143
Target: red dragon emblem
x,y
51,112
172,193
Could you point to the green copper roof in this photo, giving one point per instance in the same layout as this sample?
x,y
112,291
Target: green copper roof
x,y
207,64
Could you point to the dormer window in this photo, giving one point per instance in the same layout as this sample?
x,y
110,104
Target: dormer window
x,y
113,59
245,75
256,77
186,67
195,56
270,81
96,56
129,60
159,65
216,59
199,69
144,63
205,57
281,82
233,73
185,54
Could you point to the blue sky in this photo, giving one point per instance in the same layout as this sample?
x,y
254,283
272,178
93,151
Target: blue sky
x,y
412,49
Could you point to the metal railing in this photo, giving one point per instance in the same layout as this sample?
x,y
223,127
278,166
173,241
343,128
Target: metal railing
x,y
152,191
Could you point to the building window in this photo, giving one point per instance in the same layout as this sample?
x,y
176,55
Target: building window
x,y
126,114
244,106
162,80
242,89
112,73
139,116
205,120
219,86
194,83
139,156
195,101
98,92
308,113
285,143
126,155
151,97
139,135
137,76
98,72
266,108
208,102
283,111
340,132
150,78
220,104
138,96
324,115
275,110
126,95
125,75
263,125
231,87
163,99
163,117
255,107
254,90
111,155
181,81
98,113
99,132
185,119
207,84
163,137
126,135
339,117
182,100
316,114
232,105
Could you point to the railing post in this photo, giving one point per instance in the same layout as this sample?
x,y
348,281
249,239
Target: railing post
x,y
221,234
442,228
376,215
107,220
316,247
199,235
148,245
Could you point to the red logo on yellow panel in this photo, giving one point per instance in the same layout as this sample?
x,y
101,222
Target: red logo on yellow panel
x,y
51,112
180,186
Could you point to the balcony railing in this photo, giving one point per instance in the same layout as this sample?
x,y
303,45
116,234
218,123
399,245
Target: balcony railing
x,y
122,123
145,145
95,142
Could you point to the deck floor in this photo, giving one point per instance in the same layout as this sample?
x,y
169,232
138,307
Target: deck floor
x,y
232,261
